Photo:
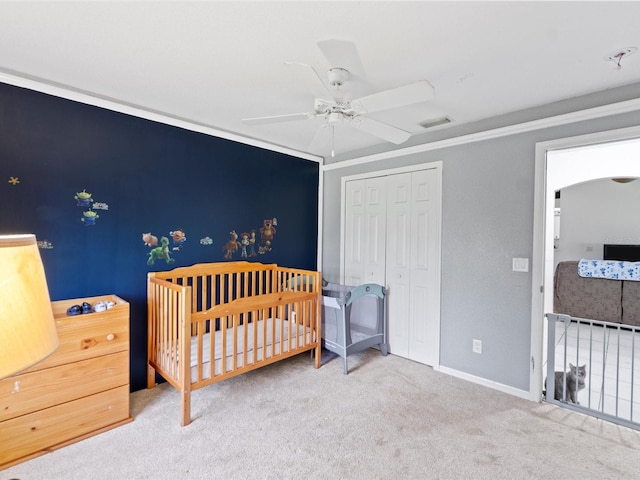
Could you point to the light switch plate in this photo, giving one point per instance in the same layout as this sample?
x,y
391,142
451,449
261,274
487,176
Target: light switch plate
x,y
520,264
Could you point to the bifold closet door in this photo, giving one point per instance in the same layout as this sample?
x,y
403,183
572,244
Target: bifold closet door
x,y
398,272
392,238
365,231
411,264
424,326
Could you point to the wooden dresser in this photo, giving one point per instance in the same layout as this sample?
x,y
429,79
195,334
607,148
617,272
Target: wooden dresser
x,y
80,390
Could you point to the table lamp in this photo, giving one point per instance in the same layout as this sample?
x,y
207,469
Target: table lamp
x,y
27,327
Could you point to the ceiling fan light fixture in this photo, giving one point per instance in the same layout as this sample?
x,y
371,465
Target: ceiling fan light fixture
x,y
624,179
334,117
337,76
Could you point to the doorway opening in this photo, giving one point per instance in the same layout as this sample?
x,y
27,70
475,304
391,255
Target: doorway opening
x,y
560,164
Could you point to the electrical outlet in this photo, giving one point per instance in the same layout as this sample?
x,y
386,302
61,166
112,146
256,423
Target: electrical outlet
x,y
477,346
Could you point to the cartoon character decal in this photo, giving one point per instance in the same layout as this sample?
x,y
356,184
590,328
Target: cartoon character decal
x,y
83,198
149,239
160,253
232,245
266,235
89,217
178,238
44,244
247,242
252,244
244,243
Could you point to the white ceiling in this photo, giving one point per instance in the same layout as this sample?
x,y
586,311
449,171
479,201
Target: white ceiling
x,y
214,63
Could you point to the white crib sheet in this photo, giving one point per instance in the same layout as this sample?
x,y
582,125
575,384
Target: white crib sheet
x,y
255,353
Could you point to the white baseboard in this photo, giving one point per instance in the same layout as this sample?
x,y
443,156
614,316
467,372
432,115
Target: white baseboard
x,y
524,394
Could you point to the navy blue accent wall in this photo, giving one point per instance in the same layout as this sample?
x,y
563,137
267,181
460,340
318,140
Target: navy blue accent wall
x,y
143,177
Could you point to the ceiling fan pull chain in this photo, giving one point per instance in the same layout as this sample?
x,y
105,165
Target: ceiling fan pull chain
x,y
333,141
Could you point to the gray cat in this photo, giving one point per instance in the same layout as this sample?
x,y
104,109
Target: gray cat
x,y
574,375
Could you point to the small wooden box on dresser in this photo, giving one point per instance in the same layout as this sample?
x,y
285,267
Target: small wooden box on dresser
x,y
82,389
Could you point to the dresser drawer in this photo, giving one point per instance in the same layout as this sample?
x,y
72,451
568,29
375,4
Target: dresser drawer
x,y
26,393
44,430
88,335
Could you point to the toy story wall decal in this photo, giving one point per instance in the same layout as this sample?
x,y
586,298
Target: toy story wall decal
x,y
89,217
267,231
247,242
149,240
231,246
163,251
178,238
44,244
84,199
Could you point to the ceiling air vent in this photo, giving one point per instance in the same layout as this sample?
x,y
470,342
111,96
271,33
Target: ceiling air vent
x,y
435,122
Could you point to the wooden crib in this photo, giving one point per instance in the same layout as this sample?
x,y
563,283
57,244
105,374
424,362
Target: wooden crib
x,y
228,318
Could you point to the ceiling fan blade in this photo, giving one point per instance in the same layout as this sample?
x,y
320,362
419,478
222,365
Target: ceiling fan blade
x,y
379,129
342,54
321,140
308,76
417,92
278,118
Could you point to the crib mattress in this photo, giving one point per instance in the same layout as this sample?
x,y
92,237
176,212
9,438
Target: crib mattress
x,y
257,351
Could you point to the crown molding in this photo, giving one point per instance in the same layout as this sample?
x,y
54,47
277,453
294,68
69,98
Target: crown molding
x,y
69,93
554,121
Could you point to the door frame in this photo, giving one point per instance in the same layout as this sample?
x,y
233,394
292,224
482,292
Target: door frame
x,y
547,180
437,165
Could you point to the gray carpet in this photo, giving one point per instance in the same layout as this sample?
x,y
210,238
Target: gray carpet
x,y
389,418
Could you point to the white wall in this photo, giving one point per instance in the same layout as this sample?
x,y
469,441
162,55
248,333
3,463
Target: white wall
x,y
594,213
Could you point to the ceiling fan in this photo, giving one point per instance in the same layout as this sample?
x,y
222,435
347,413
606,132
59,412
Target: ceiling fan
x,y
332,104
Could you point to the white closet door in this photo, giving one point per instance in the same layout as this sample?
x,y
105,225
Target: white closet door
x,y
392,237
354,232
365,231
398,275
424,317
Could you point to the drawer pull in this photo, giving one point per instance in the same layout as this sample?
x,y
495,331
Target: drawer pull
x,y
111,336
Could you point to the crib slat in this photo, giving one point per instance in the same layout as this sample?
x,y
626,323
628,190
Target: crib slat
x,y
263,316
245,343
200,347
223,346
234,345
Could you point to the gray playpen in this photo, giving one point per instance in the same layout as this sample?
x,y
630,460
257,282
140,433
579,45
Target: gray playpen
x,y
354,319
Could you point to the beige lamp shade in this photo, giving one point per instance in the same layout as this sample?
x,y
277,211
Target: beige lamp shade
x,y
27,327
